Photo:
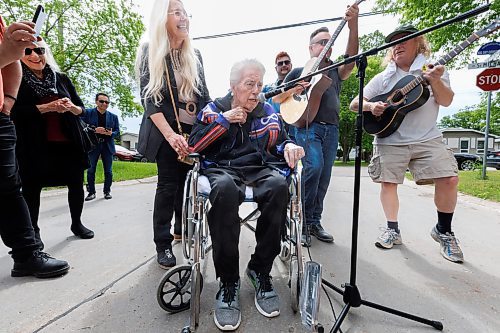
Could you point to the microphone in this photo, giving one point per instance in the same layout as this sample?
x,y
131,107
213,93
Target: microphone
x,y
262,97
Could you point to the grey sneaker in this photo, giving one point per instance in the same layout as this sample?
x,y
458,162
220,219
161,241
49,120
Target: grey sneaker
x,y
266,299
388,238
166,259
449,245
227,314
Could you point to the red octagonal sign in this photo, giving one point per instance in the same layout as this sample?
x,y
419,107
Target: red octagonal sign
x,y
489,79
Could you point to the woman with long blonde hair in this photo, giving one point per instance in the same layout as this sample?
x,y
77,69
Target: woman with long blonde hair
x,y
173,90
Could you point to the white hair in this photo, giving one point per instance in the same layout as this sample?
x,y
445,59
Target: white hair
x,y
156,59
238,68
49,57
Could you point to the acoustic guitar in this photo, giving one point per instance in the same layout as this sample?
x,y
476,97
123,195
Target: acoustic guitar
x,y
411,92
300,110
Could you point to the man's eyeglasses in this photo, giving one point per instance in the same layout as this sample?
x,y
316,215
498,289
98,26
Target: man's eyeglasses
x,y
321,42
283,63
37,50
180,13
103,101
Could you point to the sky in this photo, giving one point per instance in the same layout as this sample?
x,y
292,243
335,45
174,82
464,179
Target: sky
x,y
210,17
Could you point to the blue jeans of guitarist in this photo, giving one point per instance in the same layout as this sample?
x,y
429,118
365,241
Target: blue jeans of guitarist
x,y
320,142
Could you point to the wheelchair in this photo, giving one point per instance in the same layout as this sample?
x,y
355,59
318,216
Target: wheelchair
x,y
180,288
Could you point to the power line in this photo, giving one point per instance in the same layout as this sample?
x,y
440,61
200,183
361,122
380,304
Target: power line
x,y
229,34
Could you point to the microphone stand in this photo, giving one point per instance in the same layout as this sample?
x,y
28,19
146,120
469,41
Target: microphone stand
x,y
351,295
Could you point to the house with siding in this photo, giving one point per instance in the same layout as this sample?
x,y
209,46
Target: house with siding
x,y
463,140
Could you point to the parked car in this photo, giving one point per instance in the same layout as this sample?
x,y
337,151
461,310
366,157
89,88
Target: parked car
x,y
123,154
467,161
493,159
138,157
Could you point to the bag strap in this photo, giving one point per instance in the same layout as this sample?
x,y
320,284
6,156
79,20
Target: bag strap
x,y
173,102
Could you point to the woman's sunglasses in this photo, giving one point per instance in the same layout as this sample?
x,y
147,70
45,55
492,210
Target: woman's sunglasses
x,y
37,50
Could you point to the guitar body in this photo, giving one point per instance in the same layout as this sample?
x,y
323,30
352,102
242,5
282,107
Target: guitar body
x,y
399,105
300,110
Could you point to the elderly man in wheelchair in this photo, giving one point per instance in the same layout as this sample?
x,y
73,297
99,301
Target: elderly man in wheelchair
x,y
244,143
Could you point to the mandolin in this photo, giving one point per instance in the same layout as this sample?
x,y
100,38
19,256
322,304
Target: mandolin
x,y
411,92
300,110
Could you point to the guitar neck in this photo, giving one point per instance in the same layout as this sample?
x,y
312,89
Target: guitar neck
x,y
328,45
331,41
442,61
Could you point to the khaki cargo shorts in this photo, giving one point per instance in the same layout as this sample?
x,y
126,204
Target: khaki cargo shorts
x,y
426,160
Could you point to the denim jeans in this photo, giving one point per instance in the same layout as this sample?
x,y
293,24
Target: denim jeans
x,y
15,224
320,143
107,162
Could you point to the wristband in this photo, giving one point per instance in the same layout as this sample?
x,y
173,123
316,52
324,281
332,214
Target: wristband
x,y
10,96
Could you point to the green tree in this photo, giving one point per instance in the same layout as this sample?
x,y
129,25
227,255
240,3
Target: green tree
x,y
94,42
425,13
350,89
474,117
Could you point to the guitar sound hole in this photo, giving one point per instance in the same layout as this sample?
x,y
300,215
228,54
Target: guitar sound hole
x,y
398,96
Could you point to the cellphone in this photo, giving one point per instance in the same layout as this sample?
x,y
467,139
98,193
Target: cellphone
x,y
39,19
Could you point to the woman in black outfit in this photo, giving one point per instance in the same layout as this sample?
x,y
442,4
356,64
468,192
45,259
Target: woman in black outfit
x,y
49,147
173,90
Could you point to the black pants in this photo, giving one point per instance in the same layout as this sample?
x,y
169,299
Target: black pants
x,y
168,198
228,192
15,224
64,168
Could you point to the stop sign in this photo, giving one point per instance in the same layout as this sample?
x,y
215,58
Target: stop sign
x,y
489,79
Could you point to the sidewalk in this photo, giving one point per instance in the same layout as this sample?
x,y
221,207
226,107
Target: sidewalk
x,y
111,286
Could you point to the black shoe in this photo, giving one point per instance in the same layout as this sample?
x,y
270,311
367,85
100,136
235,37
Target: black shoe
x,y
107,196
320,233
166,259
40,265
80,231
89,197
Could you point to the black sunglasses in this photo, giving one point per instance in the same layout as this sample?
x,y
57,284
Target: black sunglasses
x,y
37,50
282,63
321,42
102,101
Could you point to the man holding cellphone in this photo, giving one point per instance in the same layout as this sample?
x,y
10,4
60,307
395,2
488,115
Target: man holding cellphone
x,y
107,128
16,230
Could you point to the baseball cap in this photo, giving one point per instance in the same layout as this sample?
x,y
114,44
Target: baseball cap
x,y
407,28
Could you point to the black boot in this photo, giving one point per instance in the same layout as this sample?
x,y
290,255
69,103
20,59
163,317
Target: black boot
x,y
320,233
40,265
81,231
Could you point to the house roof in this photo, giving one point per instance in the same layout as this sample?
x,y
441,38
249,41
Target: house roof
x,y
131,134
458,129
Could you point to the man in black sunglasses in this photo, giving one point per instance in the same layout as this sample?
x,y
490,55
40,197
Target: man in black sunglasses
x,y
107,129
320,138
283,66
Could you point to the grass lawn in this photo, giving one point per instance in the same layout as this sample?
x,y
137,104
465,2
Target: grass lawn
x,y
471,183
125,171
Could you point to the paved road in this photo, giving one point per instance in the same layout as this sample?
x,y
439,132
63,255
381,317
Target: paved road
x,y
111,286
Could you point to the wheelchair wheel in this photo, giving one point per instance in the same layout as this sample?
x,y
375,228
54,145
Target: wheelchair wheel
x,y
294,284
174,290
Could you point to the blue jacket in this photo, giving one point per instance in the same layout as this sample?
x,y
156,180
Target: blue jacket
x,y
90,117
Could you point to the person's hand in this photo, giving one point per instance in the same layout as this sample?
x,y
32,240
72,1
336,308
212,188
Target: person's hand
x,y
433,73
100,130
70,106
351,16
178,143
300,87
377,108
17,37
54,106
293,154
236,115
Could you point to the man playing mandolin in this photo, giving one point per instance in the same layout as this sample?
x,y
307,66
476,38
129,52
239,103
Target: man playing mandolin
x,y
416,144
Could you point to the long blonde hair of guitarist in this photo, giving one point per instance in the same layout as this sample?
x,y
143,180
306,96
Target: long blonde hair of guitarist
x,y
422,48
